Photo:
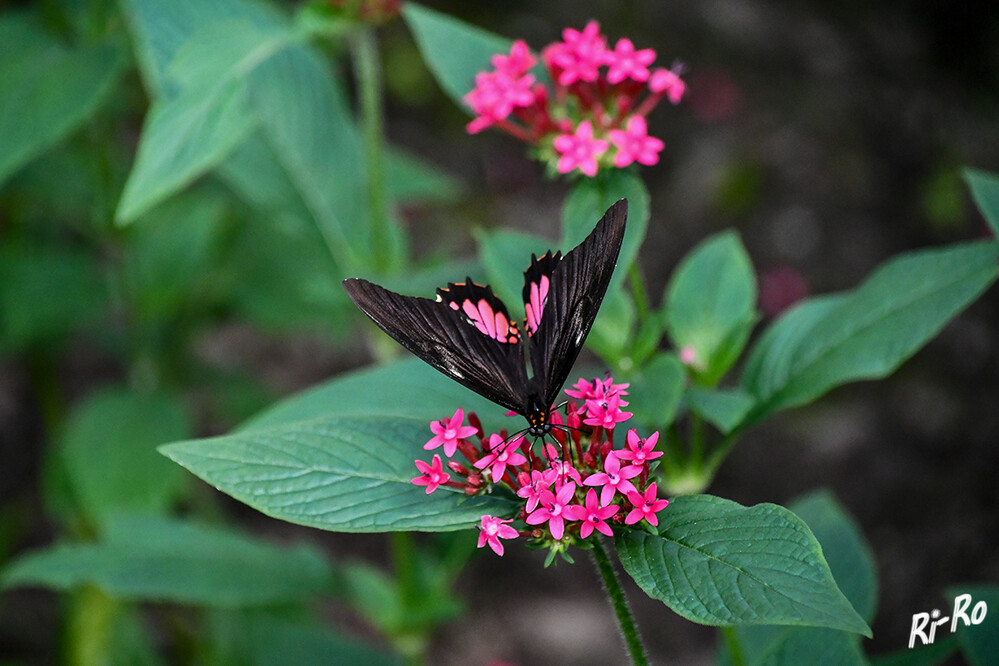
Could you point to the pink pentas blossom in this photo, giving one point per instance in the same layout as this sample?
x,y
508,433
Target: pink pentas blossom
x,y
607,413
532,486
592,515
519,61
499,455
496,95
647,505
669,83
688,355
624,62
580,150
552,510
491,530
448,432
640,451
634,144
432,475
614,478
578,57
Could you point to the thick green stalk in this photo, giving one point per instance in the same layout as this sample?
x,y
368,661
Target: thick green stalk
x,y
625,620
367,70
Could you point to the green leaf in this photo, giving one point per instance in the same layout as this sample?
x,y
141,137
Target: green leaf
x,y
979,643
506,255
337,473
46,293
589,200
161,559
261,638
933,654
868,332
51,90
453,50
723,408
716,562
613,328
710,304
852,566
406,389
985,191
656,390
414,179
109,451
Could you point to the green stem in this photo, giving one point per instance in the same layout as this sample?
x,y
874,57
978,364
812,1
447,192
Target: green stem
x,y
625,620
732,643
721,452
367,70
696,441
637,283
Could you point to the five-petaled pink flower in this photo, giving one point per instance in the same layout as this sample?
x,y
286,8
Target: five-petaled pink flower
x,y
496,95
646,506
640,451
433,474
606,414
552,509
634,144
492,530
624,62
613,478
580,150
448,432
592,515
498,456
532,486
519,61
579,56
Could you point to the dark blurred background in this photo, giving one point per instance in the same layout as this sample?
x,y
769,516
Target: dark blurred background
x,y
832,136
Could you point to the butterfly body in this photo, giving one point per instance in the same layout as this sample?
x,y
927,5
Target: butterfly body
x,y
467,332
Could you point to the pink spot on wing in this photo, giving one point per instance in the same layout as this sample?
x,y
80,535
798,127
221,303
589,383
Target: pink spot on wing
x,y
539,293
487,318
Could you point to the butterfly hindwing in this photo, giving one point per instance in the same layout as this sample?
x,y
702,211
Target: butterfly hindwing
x,y
576,288
447,338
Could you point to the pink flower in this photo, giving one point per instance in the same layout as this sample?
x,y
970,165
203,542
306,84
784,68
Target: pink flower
x,y
579,57
580,150
499,456
492,530
669,82
688,355
640,451
532,487
596,389
519,61
606,414
592,515
625,62
634,144
496,95
433,474
552,509
646,506
448,432
613,478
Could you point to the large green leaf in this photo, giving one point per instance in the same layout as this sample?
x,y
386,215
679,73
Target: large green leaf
x,y
338,473
852,566
589,200
161,559
453,50
716,562
710,304
868,332
406,389
985,190
723,408
49,90
109,452
656,391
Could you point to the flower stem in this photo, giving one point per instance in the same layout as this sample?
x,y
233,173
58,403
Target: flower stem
x,y
638,292
626,622
367,70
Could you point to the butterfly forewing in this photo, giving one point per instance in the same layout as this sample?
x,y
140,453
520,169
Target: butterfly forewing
x,y
577,287
434,331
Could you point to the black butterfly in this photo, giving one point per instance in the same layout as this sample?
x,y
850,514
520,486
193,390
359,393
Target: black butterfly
x,y
467,333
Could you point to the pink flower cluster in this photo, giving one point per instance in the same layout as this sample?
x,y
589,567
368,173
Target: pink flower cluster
x,y
585,487
594,117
